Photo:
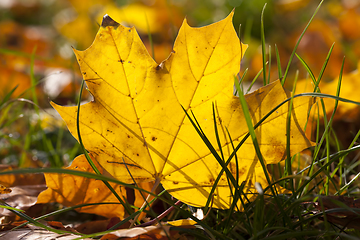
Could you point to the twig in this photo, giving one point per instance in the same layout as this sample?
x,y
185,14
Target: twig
x,y
161,216
156,184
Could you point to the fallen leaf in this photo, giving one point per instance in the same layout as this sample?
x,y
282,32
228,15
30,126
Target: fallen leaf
x,y
24,190
12,180
36,234
70,190
329,202
4,190
161,231
21,197
182,222
100,225
348,210
136,122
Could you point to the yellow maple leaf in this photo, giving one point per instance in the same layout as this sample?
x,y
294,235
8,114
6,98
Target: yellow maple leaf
x,y
136,123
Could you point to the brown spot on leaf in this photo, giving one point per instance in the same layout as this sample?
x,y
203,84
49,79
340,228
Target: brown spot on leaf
x,y
154,138
242,171
233,169
108,21
175,182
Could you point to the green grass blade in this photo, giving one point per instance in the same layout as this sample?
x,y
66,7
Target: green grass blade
x,y
324,65
7,96
150,37
278,62
297,44
33,80
288,135
253,81
93,166
263,48
241,80
311,74
269,67
331,120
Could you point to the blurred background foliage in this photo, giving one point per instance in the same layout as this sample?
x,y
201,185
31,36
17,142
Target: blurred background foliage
x,y
37,36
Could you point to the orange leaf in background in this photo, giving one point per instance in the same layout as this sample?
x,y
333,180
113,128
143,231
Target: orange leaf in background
x,y
344,111
315,45
137,122
70,190
11,78
15,36
12,180
348,21
349,83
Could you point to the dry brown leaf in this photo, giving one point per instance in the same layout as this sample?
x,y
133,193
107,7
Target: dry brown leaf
x,y
160,232
344,217
4,190
100,225
36,234
21,197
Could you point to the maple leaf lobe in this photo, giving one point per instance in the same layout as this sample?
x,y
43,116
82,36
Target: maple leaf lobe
x,y
108,21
